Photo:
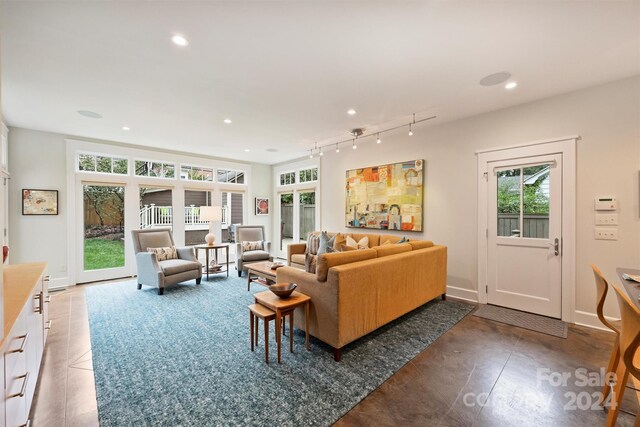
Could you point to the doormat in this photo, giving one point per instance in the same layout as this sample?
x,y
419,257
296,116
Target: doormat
x,y
533,322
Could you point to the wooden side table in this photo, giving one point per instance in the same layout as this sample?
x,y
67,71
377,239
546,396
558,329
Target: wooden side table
x,y
214,247
281,306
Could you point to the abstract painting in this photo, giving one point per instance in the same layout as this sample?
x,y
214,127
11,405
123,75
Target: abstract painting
x,y
39,202
388,197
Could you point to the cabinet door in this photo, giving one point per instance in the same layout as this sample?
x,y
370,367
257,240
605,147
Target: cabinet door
x,y
46,299
16,374
35,343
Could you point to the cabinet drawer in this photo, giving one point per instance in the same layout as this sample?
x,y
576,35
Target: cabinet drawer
x,y
18,380
15,347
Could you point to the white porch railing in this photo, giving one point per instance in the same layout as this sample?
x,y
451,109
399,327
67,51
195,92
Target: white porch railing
x,y
153,216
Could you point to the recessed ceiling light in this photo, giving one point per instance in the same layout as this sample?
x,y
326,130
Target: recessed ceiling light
x,y
510,85
126,128
351,112
246,150
90,114
179,40
228,121
495,78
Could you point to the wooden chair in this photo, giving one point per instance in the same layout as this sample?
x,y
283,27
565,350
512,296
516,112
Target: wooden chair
x,y
629,341
603,287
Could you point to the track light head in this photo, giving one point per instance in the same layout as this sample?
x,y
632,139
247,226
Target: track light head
x,y
378,140
410,130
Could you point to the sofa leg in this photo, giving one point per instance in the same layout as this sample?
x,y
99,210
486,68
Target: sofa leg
x,y
198,280
139,286
160,291
444,297
337,354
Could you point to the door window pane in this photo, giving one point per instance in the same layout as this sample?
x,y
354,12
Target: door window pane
x,y
232,214
194,228
103,227
535,196
286,220
156,208
509,184
307,214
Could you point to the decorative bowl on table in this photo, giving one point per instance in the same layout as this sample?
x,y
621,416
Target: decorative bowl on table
x,y
283,290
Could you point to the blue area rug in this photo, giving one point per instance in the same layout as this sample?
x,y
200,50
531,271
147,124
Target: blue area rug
x,y
184,359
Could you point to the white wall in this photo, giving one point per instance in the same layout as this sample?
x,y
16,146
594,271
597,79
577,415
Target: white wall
x,y
40,160
608,158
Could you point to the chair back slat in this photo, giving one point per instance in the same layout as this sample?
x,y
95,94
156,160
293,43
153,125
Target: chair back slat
x,y
602,287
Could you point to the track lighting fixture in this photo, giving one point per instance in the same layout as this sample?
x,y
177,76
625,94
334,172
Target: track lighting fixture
x,y
360,132
311,154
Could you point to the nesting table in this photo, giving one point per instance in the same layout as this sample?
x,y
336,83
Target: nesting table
x,y
280,306
214,247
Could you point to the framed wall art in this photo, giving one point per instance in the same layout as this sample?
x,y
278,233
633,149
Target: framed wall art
x,y
387,197
39,202
262,206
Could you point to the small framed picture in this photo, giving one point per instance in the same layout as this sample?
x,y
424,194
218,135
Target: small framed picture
x,y
262,206
39,202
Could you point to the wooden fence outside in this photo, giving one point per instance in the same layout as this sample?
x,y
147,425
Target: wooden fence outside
x,y
307,220
534,226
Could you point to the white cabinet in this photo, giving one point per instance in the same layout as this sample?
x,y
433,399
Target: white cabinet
x,y
24,290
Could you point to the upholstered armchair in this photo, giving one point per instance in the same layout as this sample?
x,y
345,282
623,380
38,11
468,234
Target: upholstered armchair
x,y
160,274
251,233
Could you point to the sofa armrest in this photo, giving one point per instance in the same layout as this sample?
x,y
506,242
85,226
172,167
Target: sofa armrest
x,y
295,248
187,254
149,271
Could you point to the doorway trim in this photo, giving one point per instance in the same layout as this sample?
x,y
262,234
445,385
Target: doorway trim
x,y
565,146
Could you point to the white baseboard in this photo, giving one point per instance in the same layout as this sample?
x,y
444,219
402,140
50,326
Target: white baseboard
x,y
591,320
59,283
463,294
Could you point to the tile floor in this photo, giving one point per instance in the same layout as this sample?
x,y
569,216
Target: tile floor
x,y
440,387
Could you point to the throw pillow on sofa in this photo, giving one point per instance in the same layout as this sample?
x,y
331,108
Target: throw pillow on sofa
x,y
326,244
310,263
252,246
350,244
163,254
313,243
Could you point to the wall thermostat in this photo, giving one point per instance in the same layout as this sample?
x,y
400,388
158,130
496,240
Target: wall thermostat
x,y
606,204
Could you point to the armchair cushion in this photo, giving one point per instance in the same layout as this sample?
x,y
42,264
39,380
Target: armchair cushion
x,y
175,266
255,256
164,253
298,259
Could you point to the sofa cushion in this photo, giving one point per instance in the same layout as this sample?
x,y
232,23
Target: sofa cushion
x,y
164,253
420,244
340,240
255,256
326,261
326,243
313,243
175,266
298,259
386,250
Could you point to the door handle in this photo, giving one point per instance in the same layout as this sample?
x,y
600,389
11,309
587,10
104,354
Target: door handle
x,y
556,246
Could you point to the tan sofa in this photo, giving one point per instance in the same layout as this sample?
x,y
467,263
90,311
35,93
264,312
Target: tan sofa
x,y
356,292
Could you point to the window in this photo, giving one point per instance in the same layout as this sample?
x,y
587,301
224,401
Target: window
x,y
287,178
195,173
230,176
155,169
308,175
103,164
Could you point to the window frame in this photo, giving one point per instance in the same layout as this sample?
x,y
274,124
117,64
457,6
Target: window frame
x,y
95,156
201,167
311,168
162,162
244,176
295,178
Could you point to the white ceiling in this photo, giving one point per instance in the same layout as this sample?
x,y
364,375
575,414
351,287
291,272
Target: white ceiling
x,y
287,72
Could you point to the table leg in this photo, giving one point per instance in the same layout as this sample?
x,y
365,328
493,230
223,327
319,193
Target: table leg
x,y
251,324
227,261
278,335
291,331
248,280
266,341
207,266
306,323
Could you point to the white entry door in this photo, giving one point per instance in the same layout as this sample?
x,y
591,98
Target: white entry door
x,y
524,234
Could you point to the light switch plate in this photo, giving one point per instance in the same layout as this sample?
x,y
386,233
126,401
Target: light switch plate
x,y
606,219
606,234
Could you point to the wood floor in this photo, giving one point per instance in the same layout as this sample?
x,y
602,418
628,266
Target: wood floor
x,y
479,373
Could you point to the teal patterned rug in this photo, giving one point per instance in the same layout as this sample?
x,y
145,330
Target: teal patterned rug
x,y
184,359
